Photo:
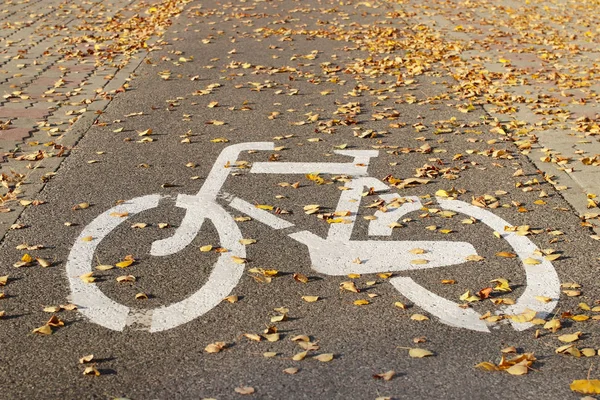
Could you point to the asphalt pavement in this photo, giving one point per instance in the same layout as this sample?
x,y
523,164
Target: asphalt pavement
x,y
448,238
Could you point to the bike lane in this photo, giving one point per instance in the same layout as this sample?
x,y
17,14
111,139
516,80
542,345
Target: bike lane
x,y
298,273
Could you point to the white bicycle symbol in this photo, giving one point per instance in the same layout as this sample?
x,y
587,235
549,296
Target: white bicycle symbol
x,y
331,256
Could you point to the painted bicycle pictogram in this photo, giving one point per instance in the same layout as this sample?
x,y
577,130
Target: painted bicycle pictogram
x,y
333,255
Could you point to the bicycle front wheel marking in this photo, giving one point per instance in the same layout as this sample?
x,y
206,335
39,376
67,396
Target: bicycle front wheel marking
x,y
100,309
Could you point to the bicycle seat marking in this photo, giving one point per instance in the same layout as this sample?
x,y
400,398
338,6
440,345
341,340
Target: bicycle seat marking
x,y
333,255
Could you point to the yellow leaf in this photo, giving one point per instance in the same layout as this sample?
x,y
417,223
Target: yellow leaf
x,y
588,352
278,318
417,251
570,337
506,254
231,299
419,317
238,260
300,356
253,336
553,325
419,353
400,305
3,280
264,207
580,318
86,359
269,354
43,263
543,299
353,276
43,330
290,371
501,285
361,302
586,386
141,296
104,267
487,366
206,248
215,347
244,390
272,337
310,299
87,239
91,371
124,263
87,278
517,369
247,241
300,338
349,286
526,316
324,357
26,258
531,261
300,278
419,261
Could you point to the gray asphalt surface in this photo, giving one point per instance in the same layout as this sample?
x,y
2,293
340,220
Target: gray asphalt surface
x,y
365,340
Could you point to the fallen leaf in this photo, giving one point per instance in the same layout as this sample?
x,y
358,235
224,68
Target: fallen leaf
x,y
300,356
291,371
586,386
326,357
517,369
419,353
310,299
300,278
215,347
43,330
91,371
86,359
570,337
231,299
386,376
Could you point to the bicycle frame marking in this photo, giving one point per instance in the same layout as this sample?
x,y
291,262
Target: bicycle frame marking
x,y
333,255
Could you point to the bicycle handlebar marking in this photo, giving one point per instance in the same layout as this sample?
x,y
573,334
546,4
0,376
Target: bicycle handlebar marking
x,y
333,255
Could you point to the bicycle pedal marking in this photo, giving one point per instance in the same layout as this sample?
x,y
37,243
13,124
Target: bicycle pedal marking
x,y
334,255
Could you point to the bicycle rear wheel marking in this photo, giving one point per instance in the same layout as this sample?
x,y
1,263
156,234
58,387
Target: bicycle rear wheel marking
x,y
100,309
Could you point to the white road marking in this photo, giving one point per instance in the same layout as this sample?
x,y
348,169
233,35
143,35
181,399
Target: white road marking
x,y
335,255
381,225
90,300
350,201
542,279
100,309
445,310
260,215
358,167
